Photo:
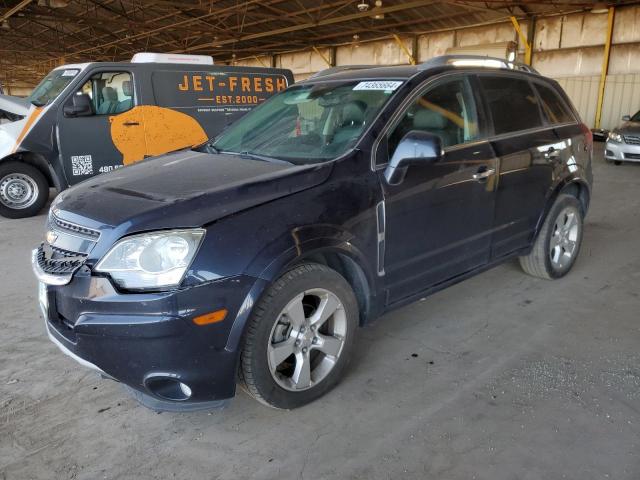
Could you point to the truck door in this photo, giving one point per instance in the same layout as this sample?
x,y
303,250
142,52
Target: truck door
x,y
96,141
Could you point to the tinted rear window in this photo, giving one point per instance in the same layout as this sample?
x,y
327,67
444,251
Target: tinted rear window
x,y
512,102
554,108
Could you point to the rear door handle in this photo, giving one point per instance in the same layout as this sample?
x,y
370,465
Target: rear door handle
x,y
479,176
130,124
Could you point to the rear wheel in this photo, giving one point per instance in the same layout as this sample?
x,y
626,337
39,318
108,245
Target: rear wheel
x,y
558,244
23,190
299,338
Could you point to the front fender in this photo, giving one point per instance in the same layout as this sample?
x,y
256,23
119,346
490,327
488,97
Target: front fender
x,y
339,244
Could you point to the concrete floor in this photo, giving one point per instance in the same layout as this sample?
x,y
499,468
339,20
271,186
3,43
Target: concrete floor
x,y
503,376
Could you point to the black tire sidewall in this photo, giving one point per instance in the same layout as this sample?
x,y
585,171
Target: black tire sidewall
x,y
7,168
270,307
562,202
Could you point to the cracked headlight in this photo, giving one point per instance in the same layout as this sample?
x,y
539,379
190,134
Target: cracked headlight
x,y
151,260
615,137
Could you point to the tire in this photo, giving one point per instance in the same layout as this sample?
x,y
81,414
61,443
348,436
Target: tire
x,y
24,190
282,323
561,233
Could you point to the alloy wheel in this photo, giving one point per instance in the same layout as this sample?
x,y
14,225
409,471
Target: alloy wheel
x,y
564,238
307,339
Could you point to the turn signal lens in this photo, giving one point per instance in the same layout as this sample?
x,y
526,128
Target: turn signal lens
x,y
209,318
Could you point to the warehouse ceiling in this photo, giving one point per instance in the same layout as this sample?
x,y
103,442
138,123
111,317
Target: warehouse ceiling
x,y
38,35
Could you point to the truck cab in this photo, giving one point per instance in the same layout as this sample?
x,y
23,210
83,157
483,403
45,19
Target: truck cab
x,y
91,118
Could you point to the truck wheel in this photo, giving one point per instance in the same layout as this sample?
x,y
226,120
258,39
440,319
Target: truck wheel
x,y
299,338
558,244
23,190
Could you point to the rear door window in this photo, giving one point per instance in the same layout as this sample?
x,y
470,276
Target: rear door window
x,y
553,106
512,102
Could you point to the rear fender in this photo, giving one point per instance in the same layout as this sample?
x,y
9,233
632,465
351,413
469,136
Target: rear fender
x,y
574,185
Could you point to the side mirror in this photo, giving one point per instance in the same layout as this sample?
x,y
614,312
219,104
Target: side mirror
x,y
81,106
626,118
415,148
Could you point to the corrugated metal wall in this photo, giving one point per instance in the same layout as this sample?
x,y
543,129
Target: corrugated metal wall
x,y
583,92
568,48
621,97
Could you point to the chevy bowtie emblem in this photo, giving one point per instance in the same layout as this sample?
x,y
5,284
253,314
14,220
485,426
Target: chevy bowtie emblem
x,y
51,237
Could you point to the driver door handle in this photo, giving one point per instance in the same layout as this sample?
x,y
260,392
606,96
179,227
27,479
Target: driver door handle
x,y
479,176
130,124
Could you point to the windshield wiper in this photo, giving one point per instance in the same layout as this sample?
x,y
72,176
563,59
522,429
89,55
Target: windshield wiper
x,y
255,156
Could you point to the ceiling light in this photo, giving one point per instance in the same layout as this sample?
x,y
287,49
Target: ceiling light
x,y
5,25
378,16
363,6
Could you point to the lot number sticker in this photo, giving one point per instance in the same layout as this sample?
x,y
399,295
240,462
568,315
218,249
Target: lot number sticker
x,y
380,85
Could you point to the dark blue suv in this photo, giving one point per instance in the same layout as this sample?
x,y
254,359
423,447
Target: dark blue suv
x,y
256,256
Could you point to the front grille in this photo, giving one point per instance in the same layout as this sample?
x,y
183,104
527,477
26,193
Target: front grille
x,y
632,139
57,261
72,228
632,156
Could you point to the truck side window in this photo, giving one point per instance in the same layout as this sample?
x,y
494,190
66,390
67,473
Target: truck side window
x,y
110,92
447,110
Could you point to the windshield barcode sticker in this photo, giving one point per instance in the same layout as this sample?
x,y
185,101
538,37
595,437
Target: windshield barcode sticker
x,y
379,85
69,73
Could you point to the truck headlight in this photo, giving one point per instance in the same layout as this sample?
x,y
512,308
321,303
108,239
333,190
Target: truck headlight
x,y
616,137
151,260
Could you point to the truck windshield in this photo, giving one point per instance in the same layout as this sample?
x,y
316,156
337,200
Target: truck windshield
x,y
52,85
308,123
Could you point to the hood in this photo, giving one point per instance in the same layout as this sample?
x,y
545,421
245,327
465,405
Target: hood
x,y
629,128
14,105
181,190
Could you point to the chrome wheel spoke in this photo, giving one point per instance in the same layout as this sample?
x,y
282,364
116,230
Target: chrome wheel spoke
x,y
279,352
294,311
329,345
328,306
301,377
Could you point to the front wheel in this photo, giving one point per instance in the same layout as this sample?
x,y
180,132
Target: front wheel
x,y
23,190
558,243
299,338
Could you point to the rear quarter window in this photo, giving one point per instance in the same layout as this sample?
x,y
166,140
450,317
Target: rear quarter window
x,y
512,103
553,106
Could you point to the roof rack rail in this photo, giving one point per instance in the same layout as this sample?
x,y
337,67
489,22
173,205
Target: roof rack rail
x,y
342,68
477,61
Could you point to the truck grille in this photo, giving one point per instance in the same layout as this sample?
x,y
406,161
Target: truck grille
x,y
57,261
632,139
72,228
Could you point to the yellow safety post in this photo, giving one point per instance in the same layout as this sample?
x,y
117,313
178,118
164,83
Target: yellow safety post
x,y
326,60
404,48
523,39
605,66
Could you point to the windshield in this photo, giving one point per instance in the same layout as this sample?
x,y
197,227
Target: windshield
x,y
308,123
636,117
52,85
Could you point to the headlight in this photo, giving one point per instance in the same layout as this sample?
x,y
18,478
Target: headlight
x,y
151,260
616,137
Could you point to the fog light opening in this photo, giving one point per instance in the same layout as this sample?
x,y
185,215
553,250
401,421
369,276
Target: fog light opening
x,y
168,388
